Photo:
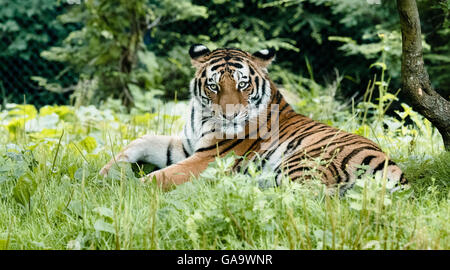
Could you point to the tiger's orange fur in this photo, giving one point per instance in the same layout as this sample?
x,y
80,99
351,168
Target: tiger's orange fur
x,y
297,146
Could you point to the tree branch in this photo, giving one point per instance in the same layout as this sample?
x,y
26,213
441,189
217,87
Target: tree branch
x,y
415,81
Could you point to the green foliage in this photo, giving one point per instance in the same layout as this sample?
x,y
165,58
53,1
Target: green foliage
x,y
18,20
436,27
116,45
51,156
26,28
109,51
378,38
49,182
295,28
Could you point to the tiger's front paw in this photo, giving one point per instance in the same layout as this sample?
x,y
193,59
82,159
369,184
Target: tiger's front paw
x,y
148,178
104,171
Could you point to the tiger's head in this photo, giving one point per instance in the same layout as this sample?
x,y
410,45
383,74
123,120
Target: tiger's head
x,y
231,85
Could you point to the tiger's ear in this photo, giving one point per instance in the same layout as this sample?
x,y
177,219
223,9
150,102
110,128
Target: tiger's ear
x,y
264,57
198,53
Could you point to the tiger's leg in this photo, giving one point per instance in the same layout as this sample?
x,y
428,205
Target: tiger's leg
x,y
180,172
309,170
161,151
300,167
323,173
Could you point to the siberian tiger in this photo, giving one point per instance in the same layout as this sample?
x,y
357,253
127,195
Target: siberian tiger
x,y
236,107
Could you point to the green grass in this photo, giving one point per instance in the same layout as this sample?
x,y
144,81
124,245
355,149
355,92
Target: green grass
x,y
51,196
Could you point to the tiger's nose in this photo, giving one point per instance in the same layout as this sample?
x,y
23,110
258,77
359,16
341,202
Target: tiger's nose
x,y
230,111
230,116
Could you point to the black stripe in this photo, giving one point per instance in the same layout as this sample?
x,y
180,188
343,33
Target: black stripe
x,y
212,146
324,148
217,66
257,83
268,155
326,138
352,154
169,154
263,92
212,62
403,179
192,118
253,145
300,137
302,169
208,132
336,173
307,128
199,87
278,97
338,143
309,153
186,153
236,65
238,141
255,97
294,143
252,72
280,139
381,165
366,161
189,144
304,135
303,156
195,88
284,107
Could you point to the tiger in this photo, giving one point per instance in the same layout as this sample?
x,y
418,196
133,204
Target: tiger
x,y
236,107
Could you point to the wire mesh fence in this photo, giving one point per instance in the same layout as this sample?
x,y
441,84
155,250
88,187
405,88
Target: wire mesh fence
x,y
27,28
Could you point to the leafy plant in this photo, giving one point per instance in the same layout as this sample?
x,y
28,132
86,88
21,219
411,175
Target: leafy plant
x,y
109,51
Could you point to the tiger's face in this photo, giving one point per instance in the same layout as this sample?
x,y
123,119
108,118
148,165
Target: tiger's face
x,y
231,85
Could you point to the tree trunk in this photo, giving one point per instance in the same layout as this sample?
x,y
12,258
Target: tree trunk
x,y
415,81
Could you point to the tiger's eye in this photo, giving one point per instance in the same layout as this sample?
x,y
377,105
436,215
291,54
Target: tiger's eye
x,y
242,85
213,87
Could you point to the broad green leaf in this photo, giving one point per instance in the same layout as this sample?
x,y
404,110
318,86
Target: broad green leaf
x,y
46,134
104,211
102,226
24,189
79,174
76,208
356,206
22,110
64,112
89,144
